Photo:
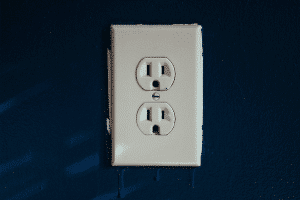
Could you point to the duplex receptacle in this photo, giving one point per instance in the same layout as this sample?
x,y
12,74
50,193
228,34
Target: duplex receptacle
x,y
155,81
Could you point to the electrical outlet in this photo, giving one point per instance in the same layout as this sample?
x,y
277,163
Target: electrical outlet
x,y
155,86
155,118
155,74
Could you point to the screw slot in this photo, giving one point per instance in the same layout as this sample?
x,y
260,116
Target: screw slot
x,y
155,96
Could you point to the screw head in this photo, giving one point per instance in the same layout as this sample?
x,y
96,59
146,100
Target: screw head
x,y
155,96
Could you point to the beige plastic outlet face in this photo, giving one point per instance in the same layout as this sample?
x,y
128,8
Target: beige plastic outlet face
x,y
155,81
155,118
155,74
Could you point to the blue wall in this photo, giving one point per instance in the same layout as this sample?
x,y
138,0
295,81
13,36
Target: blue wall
x,y
53,101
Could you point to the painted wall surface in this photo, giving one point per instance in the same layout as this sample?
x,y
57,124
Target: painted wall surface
x,y
53,101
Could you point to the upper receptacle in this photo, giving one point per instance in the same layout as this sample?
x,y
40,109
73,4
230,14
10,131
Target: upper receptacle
x,y
155,74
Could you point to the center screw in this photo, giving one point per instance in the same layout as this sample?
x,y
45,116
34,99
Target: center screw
x,y
155,96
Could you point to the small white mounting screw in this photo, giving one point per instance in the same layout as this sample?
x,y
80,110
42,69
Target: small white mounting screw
x,y
155,96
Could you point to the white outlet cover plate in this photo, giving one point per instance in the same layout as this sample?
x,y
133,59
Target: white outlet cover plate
x,y
182,45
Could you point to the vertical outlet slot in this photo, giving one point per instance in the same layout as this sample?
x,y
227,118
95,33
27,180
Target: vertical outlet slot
x,y
148,114
149,69
162,69
163,114
155,129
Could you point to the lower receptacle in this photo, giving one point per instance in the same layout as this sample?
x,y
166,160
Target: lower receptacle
x,y
155,119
